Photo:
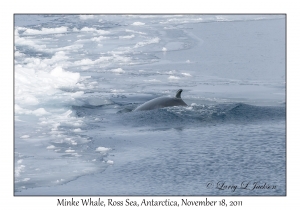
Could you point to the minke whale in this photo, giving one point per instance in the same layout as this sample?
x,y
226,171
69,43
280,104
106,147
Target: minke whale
x,y
162,102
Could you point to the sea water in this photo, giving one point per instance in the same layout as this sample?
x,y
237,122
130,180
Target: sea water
x,y
77,79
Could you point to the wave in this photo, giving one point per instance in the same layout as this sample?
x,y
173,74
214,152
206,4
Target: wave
x,y
202,115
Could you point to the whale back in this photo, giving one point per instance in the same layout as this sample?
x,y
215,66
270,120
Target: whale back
x,y
162,102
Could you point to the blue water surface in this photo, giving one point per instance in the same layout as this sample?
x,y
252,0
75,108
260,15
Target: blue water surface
x,y
78,78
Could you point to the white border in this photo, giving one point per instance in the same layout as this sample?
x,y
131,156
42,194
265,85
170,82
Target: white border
x,y
8,8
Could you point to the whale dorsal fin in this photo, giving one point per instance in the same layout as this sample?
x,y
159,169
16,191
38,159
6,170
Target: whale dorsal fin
x,y
178,94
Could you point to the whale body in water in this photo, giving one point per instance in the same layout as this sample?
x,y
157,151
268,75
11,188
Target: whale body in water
x,y
162,102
